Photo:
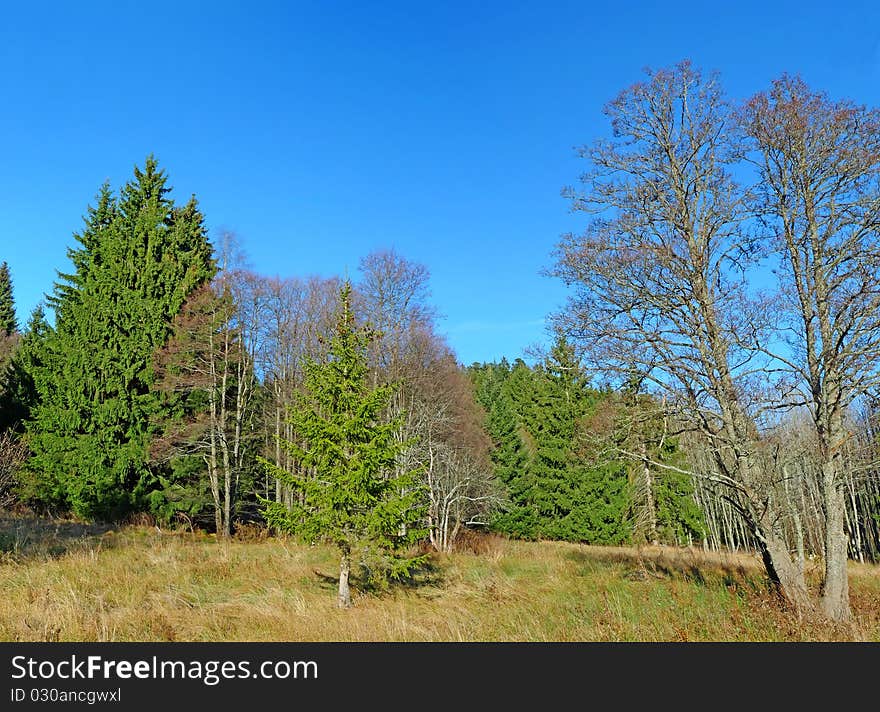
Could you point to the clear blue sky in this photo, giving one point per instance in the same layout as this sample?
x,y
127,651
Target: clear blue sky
x,y
321,131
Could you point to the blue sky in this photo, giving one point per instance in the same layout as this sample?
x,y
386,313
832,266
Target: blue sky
x,y
321,131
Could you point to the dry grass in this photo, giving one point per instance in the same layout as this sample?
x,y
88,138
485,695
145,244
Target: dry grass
x,y
63,581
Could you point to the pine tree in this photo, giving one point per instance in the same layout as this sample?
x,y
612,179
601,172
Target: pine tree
x,y
139,256
350,494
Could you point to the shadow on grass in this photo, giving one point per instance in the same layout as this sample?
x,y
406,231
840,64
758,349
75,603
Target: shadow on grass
x,y
676,564
425,576
26,536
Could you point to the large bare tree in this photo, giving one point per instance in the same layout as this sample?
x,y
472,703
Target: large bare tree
x,y
392,296
660,287
819,167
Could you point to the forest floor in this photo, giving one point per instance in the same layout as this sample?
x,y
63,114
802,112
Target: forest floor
x,y
63,581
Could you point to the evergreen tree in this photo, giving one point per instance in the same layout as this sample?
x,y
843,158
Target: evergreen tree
x,y
8,322
510,456
511,459
557,404
139,256
18,395
350,494
556,488
578,499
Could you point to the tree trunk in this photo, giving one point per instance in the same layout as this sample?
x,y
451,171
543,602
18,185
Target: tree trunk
x,y
791,506
224,444
344,598
278,451
214,479
855,528
650,505
785,574
214,436
835,588
215,491
227,501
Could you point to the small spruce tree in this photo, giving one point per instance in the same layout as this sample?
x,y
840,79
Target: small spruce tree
x,y
350,494
8,323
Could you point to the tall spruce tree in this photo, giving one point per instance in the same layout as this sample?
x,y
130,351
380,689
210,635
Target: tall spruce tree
x,y
518,516
8,322
555,487
577,499
139,256
350,493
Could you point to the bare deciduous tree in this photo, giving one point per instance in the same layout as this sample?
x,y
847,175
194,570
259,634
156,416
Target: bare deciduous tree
x,y
212,350
13,452
393,297
819,167
299,313
435,399
660,286
452,448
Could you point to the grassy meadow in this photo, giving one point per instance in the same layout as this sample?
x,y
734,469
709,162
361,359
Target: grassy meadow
x,y
64,581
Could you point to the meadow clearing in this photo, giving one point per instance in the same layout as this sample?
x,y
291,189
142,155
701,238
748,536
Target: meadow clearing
x,y
64,581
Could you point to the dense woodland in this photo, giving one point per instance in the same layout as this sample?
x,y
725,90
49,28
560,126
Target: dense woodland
x,y
712,381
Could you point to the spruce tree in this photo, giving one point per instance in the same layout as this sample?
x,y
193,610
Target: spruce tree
x,y
579,498
510,456
18,395
555,487
519,517
350,494
8,322
139,256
